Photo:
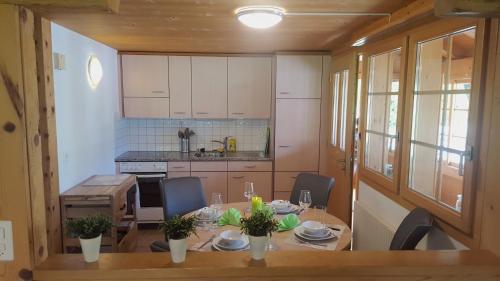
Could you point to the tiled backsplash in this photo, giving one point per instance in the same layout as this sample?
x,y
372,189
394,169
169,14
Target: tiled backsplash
x,y
161,134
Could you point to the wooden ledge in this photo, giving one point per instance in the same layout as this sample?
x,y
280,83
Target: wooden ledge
x,y
356,265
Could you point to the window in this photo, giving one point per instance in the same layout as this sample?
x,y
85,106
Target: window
x,y
381,132
343,112
441,104
339,108
335,107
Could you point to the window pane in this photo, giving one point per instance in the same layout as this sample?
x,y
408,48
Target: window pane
x,y
382,111
441,104
335,107
343,113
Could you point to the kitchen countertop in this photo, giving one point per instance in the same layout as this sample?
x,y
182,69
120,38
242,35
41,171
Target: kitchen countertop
x,y
176,156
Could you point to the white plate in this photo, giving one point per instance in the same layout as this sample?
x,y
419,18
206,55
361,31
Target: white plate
x,y
299,231
289,210
221,247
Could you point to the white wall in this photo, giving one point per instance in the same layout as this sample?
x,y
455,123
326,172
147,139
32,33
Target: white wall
x,y
85,117
376,219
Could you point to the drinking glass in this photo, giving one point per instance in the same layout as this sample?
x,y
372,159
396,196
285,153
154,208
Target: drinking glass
x,y
321,214
305,199
249,193
217,201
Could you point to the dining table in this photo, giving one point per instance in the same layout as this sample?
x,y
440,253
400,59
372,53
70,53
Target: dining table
x,y
280,241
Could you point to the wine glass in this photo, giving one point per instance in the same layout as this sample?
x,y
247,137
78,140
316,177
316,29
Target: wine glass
x,y
248,193
305,199
217,201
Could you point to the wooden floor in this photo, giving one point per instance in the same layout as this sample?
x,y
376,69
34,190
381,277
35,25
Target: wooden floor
x,y
144,239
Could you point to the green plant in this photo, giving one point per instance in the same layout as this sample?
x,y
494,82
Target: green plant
x,y
88,227
179,227
260,223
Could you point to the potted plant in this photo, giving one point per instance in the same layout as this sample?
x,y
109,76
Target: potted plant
x,y
89,230
259,228
177,230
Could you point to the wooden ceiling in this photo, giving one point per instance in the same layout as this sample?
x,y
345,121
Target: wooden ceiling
x,y
211,26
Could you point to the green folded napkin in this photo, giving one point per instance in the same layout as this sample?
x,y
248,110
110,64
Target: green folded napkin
x,y
231,216
288,222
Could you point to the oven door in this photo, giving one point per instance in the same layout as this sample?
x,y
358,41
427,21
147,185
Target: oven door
x,y
149,194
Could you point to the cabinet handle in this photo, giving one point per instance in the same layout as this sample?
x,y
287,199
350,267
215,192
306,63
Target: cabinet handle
x,y
293,177
240,177
178,167
123,207
202,113
238,113
284,93
284,146
203,177
180,112
158,92
250,166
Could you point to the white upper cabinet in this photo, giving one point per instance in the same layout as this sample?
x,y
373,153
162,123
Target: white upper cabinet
x,y
145,76
298,76
180,86
209,87
249,87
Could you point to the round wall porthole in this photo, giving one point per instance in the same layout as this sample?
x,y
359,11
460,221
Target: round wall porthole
x,y
94,71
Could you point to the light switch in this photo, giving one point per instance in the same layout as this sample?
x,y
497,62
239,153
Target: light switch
x,y
6,241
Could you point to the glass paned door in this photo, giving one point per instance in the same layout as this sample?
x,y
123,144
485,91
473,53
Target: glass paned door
x,y
441,105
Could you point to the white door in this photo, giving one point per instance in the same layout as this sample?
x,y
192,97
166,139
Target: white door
x,y
297,134
209,92
145,76
180,86
249,87
298,76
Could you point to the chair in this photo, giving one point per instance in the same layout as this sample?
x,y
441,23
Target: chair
x,y
179,196
320,187
412,229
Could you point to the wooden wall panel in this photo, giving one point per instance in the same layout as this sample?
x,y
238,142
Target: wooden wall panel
x,y
48,132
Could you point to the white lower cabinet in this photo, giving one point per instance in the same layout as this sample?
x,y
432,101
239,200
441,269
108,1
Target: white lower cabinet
x,y
263,182
213,182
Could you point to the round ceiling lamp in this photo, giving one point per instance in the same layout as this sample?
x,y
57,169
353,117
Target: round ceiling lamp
x,y
260,16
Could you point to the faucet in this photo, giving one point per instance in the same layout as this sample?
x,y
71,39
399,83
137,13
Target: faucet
x,y
224,143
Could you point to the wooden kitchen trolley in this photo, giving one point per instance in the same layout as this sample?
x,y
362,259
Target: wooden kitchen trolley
x,y
113,196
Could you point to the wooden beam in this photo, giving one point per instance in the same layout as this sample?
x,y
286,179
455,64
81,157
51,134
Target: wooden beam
x,y
278,265
14,169
33,142
467,8
48,132
100,5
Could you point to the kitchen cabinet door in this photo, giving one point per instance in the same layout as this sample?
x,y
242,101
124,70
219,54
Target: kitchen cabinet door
x,y
180,86
263,185
209,87
146,107
249,87
172,175
297,134
298,76
213,182
145,76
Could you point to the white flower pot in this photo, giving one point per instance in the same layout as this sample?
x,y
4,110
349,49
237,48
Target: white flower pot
x,y
178,249
91,248
258,246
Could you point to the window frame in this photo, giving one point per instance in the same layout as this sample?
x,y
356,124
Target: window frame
x,y
462,220
378,48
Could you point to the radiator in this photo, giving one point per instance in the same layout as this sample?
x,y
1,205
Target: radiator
x,y
369,232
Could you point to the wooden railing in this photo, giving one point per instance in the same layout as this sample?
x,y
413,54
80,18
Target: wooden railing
x,y
292,266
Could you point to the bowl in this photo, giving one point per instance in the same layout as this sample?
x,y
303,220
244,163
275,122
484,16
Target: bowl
x,y
230,237
313,227
280,204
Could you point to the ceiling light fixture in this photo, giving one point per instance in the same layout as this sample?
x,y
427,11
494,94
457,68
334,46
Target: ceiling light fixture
x,y
260,16
359,42
267,16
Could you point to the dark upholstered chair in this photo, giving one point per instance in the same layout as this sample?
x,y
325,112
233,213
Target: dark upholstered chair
x,y
320,187
412,229
179,196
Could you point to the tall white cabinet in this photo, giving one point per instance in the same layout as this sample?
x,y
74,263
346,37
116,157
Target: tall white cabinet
x,y
298,119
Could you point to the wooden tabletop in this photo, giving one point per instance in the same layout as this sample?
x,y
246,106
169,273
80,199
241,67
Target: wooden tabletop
x,y
100,185
279,238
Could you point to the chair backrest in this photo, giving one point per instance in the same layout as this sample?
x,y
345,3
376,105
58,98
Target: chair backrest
x,y
181,196
412,229
320,187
